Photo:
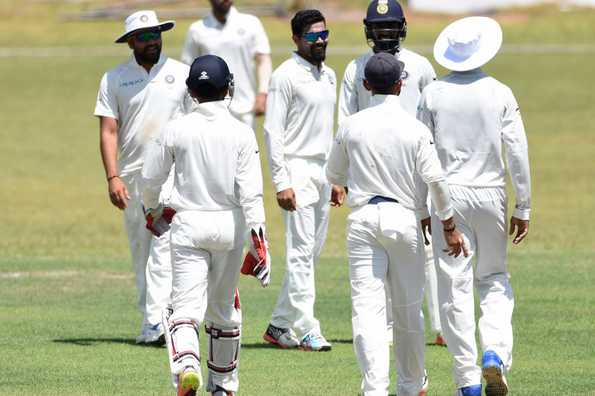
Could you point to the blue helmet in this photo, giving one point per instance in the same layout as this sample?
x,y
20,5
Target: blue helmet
x,y
385,25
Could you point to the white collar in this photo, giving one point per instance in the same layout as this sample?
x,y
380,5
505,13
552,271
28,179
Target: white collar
x,y
307,65
392,100
212,109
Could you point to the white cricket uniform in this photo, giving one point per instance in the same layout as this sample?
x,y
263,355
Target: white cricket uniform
x,y
142,103
298,133
217,194
238,41
377,158
354,97
475,120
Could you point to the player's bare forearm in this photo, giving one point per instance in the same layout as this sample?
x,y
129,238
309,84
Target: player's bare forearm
x,y
108,145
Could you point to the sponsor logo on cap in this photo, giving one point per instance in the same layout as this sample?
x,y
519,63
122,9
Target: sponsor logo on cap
x,y
382,7
144,18
204,76
170,79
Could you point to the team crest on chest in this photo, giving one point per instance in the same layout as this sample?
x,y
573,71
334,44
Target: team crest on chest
x,y
241,31
170,79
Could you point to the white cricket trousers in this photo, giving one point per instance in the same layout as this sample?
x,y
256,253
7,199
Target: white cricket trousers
x,y
151,256
305,234
392,254
480,214
207,253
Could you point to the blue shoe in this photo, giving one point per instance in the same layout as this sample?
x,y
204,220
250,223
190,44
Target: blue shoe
x,y
492,370
315,342
471,390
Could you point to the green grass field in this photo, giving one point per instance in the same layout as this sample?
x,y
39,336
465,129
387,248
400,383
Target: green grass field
x,y
67,312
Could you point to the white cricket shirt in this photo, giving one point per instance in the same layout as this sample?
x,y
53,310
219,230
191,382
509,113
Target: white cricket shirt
x,y
300,115
373,156
237,41
217,164
142,103
354,97
476,123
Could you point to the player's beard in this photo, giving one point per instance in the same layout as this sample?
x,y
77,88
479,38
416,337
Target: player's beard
x,y
149,55
318,52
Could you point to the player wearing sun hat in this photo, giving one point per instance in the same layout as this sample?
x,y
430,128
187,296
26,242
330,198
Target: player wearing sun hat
x,y
477,126
134,102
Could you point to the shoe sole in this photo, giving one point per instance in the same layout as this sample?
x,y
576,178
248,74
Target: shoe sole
x,y
191,383
273,341
308,349
495,384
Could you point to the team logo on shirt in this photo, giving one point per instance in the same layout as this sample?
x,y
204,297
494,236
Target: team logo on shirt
x,y
382,7
241,31
404,75
144,18
170,79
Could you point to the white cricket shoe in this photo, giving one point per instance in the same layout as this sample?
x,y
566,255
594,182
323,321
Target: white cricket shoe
x,y
153,335
283,338
316,342
425,386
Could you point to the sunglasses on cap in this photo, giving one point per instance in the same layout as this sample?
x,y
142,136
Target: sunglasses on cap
x,y
313,37
150,35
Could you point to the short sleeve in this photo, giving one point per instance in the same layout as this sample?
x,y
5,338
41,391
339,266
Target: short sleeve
x,y
107,103
261,41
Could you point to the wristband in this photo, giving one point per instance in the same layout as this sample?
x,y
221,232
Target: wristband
x,y
113,177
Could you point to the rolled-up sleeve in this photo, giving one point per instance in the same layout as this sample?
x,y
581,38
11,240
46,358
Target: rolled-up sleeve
x,y
278,103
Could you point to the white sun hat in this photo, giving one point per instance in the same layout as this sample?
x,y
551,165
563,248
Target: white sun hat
x,y
142,20
468,43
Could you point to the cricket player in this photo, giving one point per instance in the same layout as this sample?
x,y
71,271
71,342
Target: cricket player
x,y
477,126
217,196
135,101
386,27
387,160
241,40
298,133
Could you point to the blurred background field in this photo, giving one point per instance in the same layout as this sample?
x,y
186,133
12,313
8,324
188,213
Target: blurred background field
x,y
67,315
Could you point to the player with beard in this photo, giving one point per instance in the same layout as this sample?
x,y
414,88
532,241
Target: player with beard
x,y
241,40
135,101
298,133
385,28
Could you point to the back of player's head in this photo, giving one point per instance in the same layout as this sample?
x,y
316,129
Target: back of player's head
x,y
209,77
382,72
303,19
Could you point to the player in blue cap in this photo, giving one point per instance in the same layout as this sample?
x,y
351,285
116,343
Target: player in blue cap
x,y
217,195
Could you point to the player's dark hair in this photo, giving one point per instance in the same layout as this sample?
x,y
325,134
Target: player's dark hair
x,y
303,19
209,93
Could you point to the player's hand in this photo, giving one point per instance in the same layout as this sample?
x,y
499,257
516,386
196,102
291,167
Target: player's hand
x,y
118,193
286,199
260,104
454,239
337,196
258,261
522,229
426,228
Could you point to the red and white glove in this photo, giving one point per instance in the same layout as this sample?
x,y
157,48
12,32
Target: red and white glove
x,y
159,219
258,261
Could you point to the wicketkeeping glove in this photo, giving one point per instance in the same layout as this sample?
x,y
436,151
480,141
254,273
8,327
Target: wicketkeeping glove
x,y
258,261
159,219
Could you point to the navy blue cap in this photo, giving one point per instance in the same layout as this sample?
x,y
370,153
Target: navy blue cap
x,y
208,70
384,11
383,70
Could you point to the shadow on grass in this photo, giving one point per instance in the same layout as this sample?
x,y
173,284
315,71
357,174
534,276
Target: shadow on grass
x,y
97,341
